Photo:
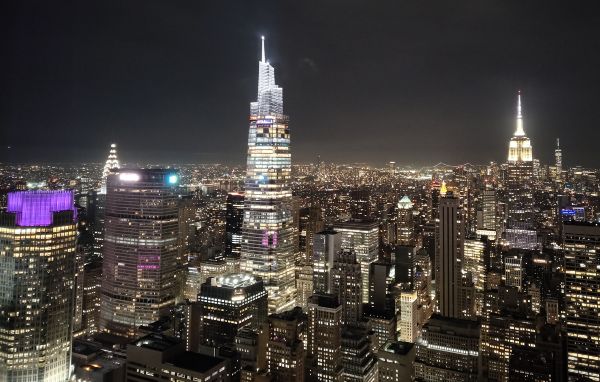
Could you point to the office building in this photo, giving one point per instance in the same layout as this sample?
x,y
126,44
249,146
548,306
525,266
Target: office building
x,y
513,270
408,320
362,237
38,236
156,357
346,285
581,245
405,222
310,222
141,249
285,348
448,350
229,303
234,218
395,361
358,361
326,245
487,219
520,176
449,256
500,333
304,285
268,249
324,338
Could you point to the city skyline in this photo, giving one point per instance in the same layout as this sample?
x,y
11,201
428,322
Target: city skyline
x,y
453,75
343,254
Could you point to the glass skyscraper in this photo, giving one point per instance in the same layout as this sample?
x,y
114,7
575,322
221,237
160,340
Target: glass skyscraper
x,y
141,249
267,249
37,256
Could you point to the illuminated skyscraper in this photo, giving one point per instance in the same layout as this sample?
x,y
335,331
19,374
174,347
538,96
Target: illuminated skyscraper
x,y
582,290
324,338
346,285
327,244
228,303
405,222
267,249
141,249
558,161
362,237
37,258
234,217
285,349
112,163
520,175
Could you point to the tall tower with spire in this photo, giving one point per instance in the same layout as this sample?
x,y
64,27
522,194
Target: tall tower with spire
x,y
520,181
519,148
267,249
112,163
558,161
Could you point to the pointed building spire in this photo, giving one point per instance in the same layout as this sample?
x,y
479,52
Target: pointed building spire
x,y
558,143
519,132
262,38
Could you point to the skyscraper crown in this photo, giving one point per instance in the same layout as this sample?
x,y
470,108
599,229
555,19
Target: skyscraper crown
x,y
270,95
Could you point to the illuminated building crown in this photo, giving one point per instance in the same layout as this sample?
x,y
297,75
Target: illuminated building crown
x,y
112,163
519,149
270,95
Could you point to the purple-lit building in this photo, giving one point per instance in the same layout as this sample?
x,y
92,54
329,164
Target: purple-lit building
x,y
141,250
37,255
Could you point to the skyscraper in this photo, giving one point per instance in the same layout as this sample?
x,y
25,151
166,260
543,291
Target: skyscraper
x,y
327,244
112,163
311,222
449,247
362,237
346,285
229,303
405,223
140,249
558,161
285,350
324,337
520,175
234,218
267,249
37,257
582,290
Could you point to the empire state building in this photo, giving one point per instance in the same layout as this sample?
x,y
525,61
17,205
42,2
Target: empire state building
x,y
267,249
520,182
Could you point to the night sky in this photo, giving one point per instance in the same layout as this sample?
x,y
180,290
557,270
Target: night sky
x,y
417,82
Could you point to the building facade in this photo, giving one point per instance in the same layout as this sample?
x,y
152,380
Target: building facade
x,y
37,279
268,242
141,249
582,289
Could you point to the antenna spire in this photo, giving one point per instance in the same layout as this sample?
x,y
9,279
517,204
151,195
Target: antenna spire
x,y
262,38
519,131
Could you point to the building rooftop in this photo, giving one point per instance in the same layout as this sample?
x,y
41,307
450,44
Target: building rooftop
x,y
236,280
195,361
289,315
324,300
157,342
397,347
36,208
